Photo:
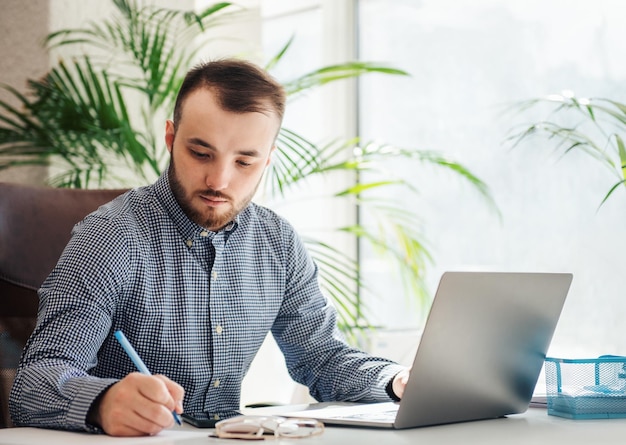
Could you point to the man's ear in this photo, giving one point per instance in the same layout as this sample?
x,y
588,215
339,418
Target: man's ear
x,y
169,135
269,158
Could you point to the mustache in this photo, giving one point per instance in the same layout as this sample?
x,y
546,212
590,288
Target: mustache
x,y
210,193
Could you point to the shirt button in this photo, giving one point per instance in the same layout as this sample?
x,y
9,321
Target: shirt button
x,y
216,383
189,243
219,330
204,233
214,275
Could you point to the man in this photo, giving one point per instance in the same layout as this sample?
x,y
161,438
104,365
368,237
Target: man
x,y
195,275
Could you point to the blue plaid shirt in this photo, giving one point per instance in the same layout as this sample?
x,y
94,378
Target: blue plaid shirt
x,y
196,305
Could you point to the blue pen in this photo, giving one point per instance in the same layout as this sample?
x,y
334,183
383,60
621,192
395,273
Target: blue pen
x,y
141,366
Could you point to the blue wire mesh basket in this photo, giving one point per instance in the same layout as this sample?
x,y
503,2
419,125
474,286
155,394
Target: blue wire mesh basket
x,y
586,388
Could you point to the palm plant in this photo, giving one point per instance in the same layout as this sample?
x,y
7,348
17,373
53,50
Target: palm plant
x,y
594,126
94,114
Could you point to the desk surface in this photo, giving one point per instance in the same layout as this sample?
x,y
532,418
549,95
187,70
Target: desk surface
x,y
533,427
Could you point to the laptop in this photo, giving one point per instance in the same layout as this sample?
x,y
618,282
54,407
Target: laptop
x,y
479,357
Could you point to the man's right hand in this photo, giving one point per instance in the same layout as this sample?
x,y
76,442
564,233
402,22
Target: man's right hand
x,y
138,405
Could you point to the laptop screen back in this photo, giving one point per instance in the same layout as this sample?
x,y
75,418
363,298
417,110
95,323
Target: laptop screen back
x,y
483,346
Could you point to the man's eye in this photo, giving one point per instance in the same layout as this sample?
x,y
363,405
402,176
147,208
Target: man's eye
x,y
244,163
199,154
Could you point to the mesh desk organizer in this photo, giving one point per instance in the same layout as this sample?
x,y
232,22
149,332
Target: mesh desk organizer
x,y
586,388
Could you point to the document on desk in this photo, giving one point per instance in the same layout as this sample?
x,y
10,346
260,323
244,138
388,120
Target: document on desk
x,y
539,401
29,436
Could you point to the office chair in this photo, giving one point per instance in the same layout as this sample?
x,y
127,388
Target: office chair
x,y
35,226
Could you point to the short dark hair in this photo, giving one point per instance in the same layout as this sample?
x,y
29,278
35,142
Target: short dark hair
x,y
239,86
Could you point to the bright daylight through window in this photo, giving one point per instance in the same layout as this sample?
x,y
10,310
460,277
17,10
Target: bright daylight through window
x,y
470,66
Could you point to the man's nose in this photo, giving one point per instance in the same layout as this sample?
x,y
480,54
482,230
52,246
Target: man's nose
x,y
218,177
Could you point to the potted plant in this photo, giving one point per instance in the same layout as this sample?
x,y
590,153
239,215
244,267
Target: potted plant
x,y
93,116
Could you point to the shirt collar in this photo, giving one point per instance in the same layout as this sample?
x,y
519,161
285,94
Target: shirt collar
x,y
188,229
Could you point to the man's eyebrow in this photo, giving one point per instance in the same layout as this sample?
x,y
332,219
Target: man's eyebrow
x,y
201,142
252,152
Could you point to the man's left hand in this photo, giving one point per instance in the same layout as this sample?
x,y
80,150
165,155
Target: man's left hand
x,y
399,382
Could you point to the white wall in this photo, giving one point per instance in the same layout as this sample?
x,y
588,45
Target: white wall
x,y
24,25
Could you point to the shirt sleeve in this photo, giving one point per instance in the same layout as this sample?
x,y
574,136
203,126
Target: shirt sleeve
x,y
315,352
53,388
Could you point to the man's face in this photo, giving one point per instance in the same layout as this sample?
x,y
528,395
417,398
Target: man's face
x,y
217,158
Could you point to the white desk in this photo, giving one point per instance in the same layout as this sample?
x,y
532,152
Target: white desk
x,y
531,428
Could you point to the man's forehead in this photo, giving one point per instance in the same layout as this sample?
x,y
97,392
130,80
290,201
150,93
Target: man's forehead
x,y
202,95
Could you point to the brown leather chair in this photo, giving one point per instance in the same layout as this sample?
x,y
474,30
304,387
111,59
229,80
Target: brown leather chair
x,y
35,226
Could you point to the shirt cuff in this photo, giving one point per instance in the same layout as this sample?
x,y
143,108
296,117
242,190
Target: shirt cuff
x,y
389,389
86,390
385,379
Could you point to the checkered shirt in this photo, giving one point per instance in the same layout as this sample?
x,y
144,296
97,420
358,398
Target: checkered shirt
x,y
195,304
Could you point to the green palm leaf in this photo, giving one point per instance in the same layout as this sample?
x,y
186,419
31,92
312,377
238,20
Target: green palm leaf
x,y
333,73
593,126
81,120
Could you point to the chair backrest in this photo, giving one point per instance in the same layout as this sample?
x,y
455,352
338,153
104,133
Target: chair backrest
x,y
35,226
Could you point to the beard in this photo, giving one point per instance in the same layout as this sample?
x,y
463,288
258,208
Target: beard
x,y
210,218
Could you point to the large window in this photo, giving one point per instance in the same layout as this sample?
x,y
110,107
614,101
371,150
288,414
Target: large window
x,y
468,61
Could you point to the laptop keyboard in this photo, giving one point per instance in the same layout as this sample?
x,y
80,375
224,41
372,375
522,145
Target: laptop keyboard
x,y
383,416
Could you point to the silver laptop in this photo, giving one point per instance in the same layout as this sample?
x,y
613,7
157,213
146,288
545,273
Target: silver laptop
x,y
479,357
